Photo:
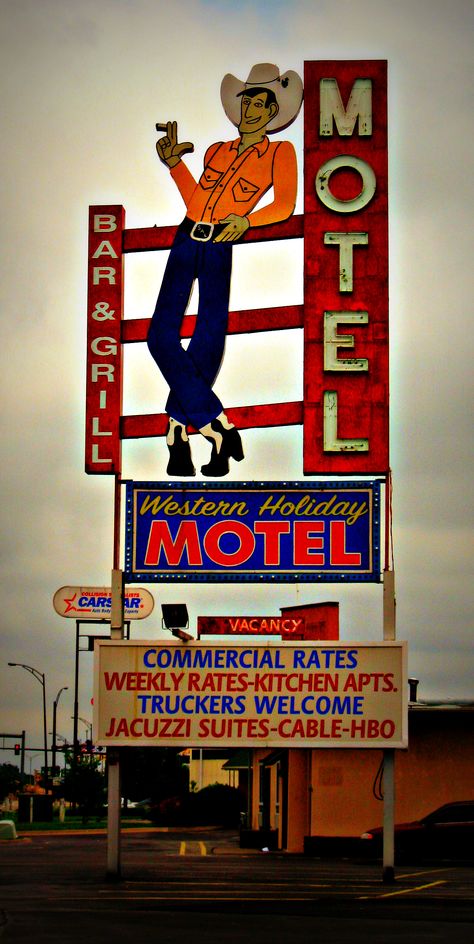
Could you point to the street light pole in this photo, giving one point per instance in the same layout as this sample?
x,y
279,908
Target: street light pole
x,y
31,759
88,725
55,709
40,677
65,743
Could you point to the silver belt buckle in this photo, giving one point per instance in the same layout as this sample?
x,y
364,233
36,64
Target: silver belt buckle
x,y
202,232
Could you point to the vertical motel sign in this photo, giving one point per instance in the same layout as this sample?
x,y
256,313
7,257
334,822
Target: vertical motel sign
x,y
345,312
346,268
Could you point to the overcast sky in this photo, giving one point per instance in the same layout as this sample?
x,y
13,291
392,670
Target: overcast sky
x,y
84,82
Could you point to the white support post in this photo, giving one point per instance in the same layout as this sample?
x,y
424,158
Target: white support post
x,y
389,627
113,756
388,875
113,816
116,614
389,633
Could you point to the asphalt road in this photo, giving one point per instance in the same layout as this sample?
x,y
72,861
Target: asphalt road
x,y
180,885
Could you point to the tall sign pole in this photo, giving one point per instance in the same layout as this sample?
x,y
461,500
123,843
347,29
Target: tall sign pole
x,y
346,409
113,756
103,412
389,635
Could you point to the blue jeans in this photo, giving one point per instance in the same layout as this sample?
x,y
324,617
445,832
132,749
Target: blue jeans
x,y
191,373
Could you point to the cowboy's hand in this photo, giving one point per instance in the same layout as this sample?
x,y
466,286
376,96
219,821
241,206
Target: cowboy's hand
x,y
168,149
237,226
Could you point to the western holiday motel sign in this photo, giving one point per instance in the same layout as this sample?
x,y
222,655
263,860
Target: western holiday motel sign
x,y
272,531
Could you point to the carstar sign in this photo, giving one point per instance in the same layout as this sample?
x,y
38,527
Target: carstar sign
x,y
96,603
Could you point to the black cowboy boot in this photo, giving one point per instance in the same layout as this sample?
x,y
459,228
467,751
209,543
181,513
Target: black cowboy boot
x,y
180,461
231,446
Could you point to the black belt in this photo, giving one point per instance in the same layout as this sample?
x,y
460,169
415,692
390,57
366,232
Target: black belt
x,y
201,232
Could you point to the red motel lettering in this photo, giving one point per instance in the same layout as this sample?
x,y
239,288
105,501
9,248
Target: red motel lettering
x,y
309,546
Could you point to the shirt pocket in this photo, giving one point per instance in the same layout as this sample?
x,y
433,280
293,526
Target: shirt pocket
x,y
244,190
210,178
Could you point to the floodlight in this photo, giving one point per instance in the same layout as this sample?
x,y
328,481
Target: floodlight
x,y
176,619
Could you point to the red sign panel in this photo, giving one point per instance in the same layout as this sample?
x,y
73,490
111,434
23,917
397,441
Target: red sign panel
x,y
346,268
104,349
320,620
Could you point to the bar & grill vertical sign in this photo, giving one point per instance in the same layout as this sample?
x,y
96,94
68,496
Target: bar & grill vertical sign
x,y
104,350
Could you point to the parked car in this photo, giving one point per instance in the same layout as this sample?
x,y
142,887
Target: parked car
x,y
446,833
142,805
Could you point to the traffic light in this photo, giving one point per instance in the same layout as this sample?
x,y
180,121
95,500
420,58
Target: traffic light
x,y
89,746
17,749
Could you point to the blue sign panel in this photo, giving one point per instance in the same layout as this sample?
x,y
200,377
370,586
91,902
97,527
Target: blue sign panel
x,y
267,531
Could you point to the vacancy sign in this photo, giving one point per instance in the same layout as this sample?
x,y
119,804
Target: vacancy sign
x,y
250,625
265,695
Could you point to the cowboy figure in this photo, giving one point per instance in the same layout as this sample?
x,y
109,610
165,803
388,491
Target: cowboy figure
x,y
219,210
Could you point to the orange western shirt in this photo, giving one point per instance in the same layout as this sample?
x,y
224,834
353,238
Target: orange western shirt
x,y
234,183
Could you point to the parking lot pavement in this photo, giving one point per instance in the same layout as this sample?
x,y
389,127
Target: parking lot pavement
x,y
54,887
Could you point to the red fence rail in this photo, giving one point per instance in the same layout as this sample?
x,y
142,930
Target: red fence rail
x,y
247,321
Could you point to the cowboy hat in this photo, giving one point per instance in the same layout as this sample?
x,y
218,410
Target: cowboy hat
x,y
288,89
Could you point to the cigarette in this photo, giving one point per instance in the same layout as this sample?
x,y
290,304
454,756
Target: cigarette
x,y
161,127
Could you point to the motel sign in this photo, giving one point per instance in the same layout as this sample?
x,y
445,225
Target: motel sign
x,y
272,695
344,315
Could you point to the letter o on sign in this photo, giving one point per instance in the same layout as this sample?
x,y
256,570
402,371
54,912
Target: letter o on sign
x,y
245,538
323,177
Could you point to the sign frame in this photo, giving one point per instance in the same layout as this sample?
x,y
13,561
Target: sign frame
x,y
139,544
319,698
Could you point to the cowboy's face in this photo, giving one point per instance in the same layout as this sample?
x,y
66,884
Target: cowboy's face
x,y
254,112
